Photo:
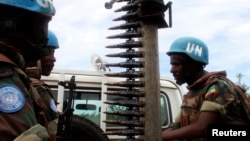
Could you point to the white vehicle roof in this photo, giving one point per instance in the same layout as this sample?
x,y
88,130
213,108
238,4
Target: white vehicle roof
x,y
97,76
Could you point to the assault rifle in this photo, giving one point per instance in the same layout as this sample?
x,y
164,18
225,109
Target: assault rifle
x,y
65,119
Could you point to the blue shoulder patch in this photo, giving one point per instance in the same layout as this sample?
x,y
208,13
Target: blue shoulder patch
x,y
11,99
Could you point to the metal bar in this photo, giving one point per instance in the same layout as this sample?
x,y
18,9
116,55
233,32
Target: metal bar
x,y
152,83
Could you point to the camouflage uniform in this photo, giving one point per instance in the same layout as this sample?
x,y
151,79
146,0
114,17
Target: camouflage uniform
x,y
23,29
45,94
16,107
210,93
45,102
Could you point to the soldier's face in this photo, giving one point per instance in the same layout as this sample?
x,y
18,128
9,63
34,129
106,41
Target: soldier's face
x,y
32,28
176,62
47,62
184,69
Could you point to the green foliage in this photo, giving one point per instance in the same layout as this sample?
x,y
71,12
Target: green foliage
x,y
242,84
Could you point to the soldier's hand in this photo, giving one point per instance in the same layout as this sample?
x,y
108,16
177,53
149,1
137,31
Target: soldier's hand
x,y
35,133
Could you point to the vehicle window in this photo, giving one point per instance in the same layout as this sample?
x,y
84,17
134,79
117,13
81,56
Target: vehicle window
x,y
165,110
115,108
54,93
164,107
88,104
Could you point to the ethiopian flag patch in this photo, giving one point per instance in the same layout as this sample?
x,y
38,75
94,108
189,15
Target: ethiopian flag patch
x,y
211,92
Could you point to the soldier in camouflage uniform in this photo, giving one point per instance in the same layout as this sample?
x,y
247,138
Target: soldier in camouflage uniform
x,y
23,34
209,100
45,103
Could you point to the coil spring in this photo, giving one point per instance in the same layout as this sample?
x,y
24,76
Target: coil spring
x,y
133,87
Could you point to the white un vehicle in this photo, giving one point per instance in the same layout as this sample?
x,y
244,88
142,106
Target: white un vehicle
x,y
89,99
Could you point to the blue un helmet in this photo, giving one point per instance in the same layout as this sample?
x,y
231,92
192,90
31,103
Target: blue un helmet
x,y
52,42
27,20
192,47
44,7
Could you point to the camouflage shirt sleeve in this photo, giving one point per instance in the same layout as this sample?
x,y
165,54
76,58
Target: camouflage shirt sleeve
x,y
217,97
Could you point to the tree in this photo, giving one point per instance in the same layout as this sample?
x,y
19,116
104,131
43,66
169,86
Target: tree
x,y
242,84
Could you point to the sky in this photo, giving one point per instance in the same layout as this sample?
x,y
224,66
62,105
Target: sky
x,y
224,25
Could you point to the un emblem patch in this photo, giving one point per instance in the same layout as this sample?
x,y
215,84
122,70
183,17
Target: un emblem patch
x,y
11,99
